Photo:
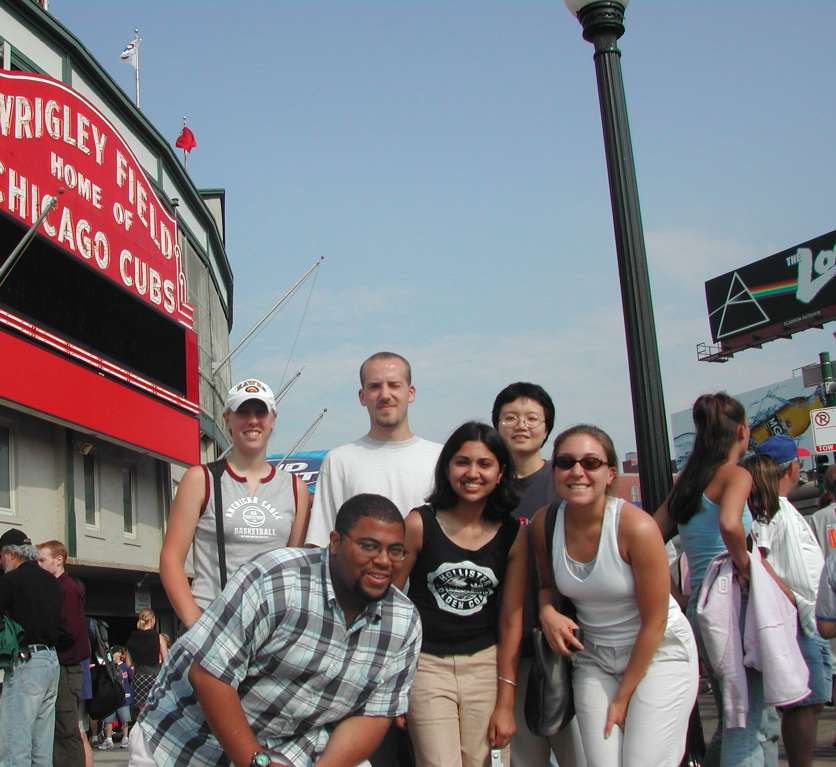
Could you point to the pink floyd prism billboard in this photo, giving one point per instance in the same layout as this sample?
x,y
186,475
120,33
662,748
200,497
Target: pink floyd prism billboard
x,y
775,297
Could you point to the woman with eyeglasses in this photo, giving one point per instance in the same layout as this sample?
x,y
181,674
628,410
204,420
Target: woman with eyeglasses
x,y
634,661
466,563
523,413
708,508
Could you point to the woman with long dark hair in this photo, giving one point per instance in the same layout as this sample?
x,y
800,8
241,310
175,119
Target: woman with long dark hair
x,y
634,660
467,565
708,507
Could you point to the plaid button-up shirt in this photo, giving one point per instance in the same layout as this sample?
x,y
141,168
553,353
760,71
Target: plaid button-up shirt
x,y
278,636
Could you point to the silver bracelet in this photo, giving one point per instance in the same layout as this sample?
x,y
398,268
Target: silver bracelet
x,y
507,681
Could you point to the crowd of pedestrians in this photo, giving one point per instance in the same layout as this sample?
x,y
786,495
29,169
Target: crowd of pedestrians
x,y
389,621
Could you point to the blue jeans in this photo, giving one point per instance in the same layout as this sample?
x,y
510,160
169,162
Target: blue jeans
x,y
27,711
756,744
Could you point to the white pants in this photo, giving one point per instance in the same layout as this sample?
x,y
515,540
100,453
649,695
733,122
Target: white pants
x,y
657,716
138,755
530,750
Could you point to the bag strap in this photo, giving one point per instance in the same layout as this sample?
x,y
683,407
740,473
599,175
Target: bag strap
x,y
216,469
551,521
564,604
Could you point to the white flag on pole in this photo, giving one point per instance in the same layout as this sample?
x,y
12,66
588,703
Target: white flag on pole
x,y
130,53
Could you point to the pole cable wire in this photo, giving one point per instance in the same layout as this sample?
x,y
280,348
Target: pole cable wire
x,y
299,328
304,438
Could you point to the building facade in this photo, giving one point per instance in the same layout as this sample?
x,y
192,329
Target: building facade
x,y
111,322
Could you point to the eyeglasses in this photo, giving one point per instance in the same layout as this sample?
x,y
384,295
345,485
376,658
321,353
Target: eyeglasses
x,y
372,548
588,462
529,419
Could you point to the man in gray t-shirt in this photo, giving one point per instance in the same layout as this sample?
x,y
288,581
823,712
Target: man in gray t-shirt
x,y
523,413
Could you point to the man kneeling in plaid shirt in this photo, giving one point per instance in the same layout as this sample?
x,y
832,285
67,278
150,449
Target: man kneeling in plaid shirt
x,y
303,660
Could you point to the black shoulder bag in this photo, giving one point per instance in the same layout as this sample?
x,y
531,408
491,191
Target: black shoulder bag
x,y
549,703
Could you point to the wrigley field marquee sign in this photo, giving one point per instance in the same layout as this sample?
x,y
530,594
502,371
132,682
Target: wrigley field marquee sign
x,y
109,215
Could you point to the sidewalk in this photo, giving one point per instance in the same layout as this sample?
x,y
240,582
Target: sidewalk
x,y
825,755
117,756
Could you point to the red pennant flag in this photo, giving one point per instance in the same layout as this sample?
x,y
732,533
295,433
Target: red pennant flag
x,y
186,140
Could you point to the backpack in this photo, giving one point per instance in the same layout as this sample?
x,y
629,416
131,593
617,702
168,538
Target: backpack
x,y
11,632
108,694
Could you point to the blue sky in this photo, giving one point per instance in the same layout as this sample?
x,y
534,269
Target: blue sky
x,y
446,159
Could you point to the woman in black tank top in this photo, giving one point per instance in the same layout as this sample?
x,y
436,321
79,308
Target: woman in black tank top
x,y
467,566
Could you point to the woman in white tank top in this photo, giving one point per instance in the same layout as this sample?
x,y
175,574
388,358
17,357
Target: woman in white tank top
x,y
634,660
273,507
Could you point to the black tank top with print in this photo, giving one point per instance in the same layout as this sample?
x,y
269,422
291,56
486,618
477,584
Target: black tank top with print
x,y
457,591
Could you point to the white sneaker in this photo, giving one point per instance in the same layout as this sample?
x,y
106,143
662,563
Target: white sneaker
x,y
124,743
105,745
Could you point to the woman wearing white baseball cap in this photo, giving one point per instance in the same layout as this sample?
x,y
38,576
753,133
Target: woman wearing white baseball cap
x,y
231,510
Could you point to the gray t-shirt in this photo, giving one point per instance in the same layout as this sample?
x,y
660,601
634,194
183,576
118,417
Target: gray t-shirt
x,y
253,525
535,490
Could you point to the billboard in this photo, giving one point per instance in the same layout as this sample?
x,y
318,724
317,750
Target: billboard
x,y
304,464
775,297
780,408
97,306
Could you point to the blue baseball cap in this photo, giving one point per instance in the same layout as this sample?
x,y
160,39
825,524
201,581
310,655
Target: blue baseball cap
x,y
781,449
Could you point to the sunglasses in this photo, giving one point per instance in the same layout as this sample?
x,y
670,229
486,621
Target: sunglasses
x,y
588,462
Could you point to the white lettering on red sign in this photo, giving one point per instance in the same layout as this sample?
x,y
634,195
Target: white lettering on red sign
x,y
52,137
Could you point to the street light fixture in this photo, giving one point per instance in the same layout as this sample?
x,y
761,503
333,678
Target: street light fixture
x,y
603,24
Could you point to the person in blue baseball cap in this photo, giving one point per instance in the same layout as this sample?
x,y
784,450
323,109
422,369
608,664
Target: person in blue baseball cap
x,y
782,449
787,541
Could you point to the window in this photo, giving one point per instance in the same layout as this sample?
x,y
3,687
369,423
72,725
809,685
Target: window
x,y
90,515
128,504
87,308
5,470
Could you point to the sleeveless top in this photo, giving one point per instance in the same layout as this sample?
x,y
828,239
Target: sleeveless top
x,y
701,540
457,591
144,647
605,599
253,525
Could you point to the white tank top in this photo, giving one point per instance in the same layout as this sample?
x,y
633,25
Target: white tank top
x,y
606,599
253,525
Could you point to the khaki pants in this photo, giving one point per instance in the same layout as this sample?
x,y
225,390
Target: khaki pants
x,y
450,706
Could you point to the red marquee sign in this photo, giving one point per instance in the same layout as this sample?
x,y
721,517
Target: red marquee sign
x,y
109,215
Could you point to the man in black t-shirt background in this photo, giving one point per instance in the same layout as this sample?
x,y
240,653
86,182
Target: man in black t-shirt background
x,y
31,597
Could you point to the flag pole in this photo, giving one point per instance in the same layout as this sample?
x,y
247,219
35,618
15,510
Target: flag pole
x,y
136,71
286,388
306,436
27,238
185,153
267,317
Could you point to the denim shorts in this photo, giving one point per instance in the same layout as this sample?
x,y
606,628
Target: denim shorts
x,y
816,653
123,714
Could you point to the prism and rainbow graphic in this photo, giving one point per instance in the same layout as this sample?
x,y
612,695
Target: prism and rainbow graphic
x,y
772,289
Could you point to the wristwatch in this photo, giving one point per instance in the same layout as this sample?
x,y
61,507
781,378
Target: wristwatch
x,y
260,759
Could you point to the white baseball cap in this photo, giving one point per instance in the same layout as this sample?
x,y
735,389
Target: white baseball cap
x,y
250,388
